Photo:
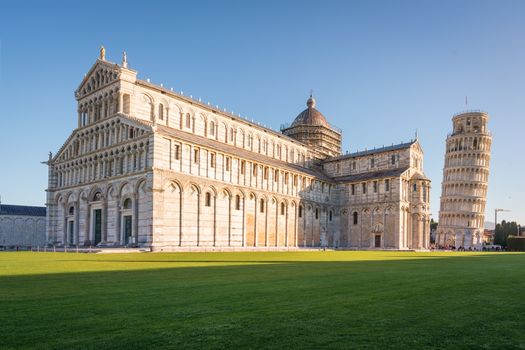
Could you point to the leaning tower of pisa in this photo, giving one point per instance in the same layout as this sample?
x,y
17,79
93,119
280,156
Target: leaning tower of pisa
x,y
465,178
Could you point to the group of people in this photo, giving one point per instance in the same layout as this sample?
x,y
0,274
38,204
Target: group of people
x,y
485,248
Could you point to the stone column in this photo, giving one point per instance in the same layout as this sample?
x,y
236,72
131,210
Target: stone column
x,y
286,227
243,221
88,224
77,223
135,226
230,200
257,209
215,219
198,216
105,220
180,215
276,225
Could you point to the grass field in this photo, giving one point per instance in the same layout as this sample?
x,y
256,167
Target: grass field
x,y
335,300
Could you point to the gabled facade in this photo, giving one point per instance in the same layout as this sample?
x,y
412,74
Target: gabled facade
x,y
150,167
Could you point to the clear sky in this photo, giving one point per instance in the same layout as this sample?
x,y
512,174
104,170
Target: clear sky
x,y
379,70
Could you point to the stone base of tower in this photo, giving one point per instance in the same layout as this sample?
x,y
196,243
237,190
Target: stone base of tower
x,y
460,238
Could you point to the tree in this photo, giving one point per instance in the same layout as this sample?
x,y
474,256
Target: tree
x,y
433,229
433,225
503,230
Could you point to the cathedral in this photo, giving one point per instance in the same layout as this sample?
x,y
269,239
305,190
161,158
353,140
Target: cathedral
x,y
149,167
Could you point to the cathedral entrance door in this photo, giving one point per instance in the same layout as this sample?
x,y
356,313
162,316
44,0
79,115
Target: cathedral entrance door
x,y
97,225
377,241
127,229
70,232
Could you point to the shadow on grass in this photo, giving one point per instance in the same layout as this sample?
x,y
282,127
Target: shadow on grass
x,y
448,301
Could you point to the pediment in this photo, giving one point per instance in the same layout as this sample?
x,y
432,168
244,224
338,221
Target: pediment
x,y
417,146
102,74
70,149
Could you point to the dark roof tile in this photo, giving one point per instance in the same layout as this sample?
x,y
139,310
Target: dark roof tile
x,y
372,175
373,151
7,209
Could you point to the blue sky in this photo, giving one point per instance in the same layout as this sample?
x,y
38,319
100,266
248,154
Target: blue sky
x,y
379,70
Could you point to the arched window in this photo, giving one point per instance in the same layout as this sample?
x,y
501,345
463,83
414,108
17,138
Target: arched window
x,y
71,210
355,217
161,111
300,211
282,208
212,128
316,213
237,202
330,216
127,204
415,187
261,209
207,199
188,120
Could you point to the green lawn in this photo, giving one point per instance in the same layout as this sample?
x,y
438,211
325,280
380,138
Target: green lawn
x,y
335,300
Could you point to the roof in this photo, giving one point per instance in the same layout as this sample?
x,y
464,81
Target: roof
x,y
6,209
372,175
373,151
235,151
223,113
419,176
310,116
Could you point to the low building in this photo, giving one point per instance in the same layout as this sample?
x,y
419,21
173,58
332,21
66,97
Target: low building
x,y
488,236
22,225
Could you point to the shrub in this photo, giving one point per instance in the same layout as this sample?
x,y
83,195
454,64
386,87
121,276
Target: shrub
x,y
516,244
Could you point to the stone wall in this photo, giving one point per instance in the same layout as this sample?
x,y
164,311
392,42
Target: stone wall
x,y
22,230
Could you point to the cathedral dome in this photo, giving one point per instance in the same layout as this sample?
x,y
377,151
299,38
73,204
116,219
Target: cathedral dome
x,y
310,116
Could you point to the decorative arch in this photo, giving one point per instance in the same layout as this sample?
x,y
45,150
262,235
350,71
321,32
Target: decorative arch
x,y
140,183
